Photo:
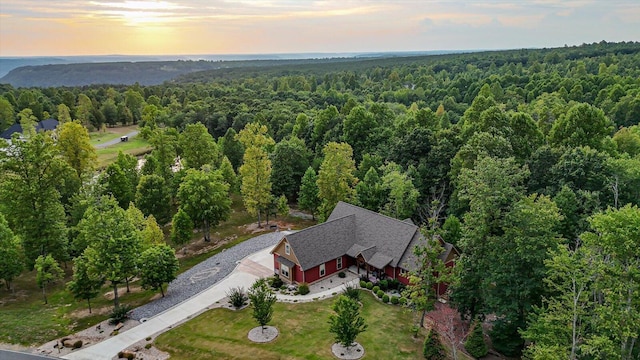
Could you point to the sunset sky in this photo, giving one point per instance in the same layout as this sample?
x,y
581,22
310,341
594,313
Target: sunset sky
x,y
170,27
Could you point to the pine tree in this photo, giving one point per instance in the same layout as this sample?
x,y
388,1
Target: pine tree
x,y
432,348
475,344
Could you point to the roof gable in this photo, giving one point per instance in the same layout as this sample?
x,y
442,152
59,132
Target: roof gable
x,y
48,124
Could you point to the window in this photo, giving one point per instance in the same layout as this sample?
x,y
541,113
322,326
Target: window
x,y
287,249
339,263
322,270
284,270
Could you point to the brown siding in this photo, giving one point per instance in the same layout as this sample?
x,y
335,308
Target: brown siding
x,y
280,251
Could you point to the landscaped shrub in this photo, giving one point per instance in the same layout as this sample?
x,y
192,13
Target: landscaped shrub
x,y
380,293
376,289
352,292
342,275
276,282
433,349
119,315
384,285
148,346
303,289
475,344
126,355
77,344
363,284
403,301
237,297
369,285
394,284
395,300
385,298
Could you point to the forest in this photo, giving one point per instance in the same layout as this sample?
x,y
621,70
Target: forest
x,y
527,160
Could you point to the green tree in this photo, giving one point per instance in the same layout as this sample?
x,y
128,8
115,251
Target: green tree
x,y
358,128
370,191
7,114
83,286
152,233
290,159
198,147
113,243
452,230
204,195
584,125
76,150
403,196
308,196
229,176
164,143
432,348
158,265
32,173
231,148
475,344
181,228
256,169
335,179
262,300
47,271
153,197
11,257
429,272
615,235
346,324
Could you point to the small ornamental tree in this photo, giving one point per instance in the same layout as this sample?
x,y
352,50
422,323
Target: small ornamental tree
x,y
47,271
83,286
182,228
262,300
475,344
347,323
432,348
158,265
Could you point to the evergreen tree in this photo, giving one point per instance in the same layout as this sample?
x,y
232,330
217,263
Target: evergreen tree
x,y
475,343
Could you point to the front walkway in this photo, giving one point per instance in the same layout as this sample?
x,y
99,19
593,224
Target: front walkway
x,y
249,269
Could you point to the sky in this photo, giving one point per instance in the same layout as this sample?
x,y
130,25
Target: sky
x,y
182,27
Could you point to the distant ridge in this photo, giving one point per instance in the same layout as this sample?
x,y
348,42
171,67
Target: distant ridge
x,y
153,70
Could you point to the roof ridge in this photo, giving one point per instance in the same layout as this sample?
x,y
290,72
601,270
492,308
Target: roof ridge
x,y
323,223
376,213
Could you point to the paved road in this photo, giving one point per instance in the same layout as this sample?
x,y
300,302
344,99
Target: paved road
x,y
114,141
14,355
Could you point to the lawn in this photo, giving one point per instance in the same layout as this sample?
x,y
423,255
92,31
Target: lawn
x,y
26,320
222,333
98,137
135,146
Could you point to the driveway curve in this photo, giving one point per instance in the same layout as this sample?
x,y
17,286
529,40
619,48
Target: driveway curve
x,y
115,141
191,293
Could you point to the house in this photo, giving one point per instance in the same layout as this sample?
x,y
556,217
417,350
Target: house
x,y
375,245
44,125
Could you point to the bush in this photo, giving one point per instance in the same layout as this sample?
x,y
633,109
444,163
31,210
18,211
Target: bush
x,y
403,301
237,297
276,282
395,300
303,289
394,284
119,315
352,292
376,289
126,355
475,344
363,284
148,346
380,293
342,275
369,285
77,344
384,285
432,348
385,298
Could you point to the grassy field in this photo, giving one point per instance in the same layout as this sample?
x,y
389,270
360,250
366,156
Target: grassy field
x,y
27,321
304,334
136,146
98,137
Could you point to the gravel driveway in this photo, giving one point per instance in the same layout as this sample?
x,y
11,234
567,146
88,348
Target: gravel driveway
x,y
205,274
115,141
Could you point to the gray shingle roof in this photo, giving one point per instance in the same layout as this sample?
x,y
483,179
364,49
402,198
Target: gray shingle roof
x,y
353,230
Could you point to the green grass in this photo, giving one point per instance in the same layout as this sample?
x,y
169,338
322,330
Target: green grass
x,y
304,334
98,137
136,146
26,320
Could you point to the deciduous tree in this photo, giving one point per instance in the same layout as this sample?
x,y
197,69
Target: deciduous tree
x,y
346,324
181,228
47,271
336,180
11,257
198,147
83,286
158,265
73,141
262,300
308,196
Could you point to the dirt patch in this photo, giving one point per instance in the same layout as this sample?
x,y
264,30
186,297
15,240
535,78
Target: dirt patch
x,y
202,247
123,290
82,313
277,225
